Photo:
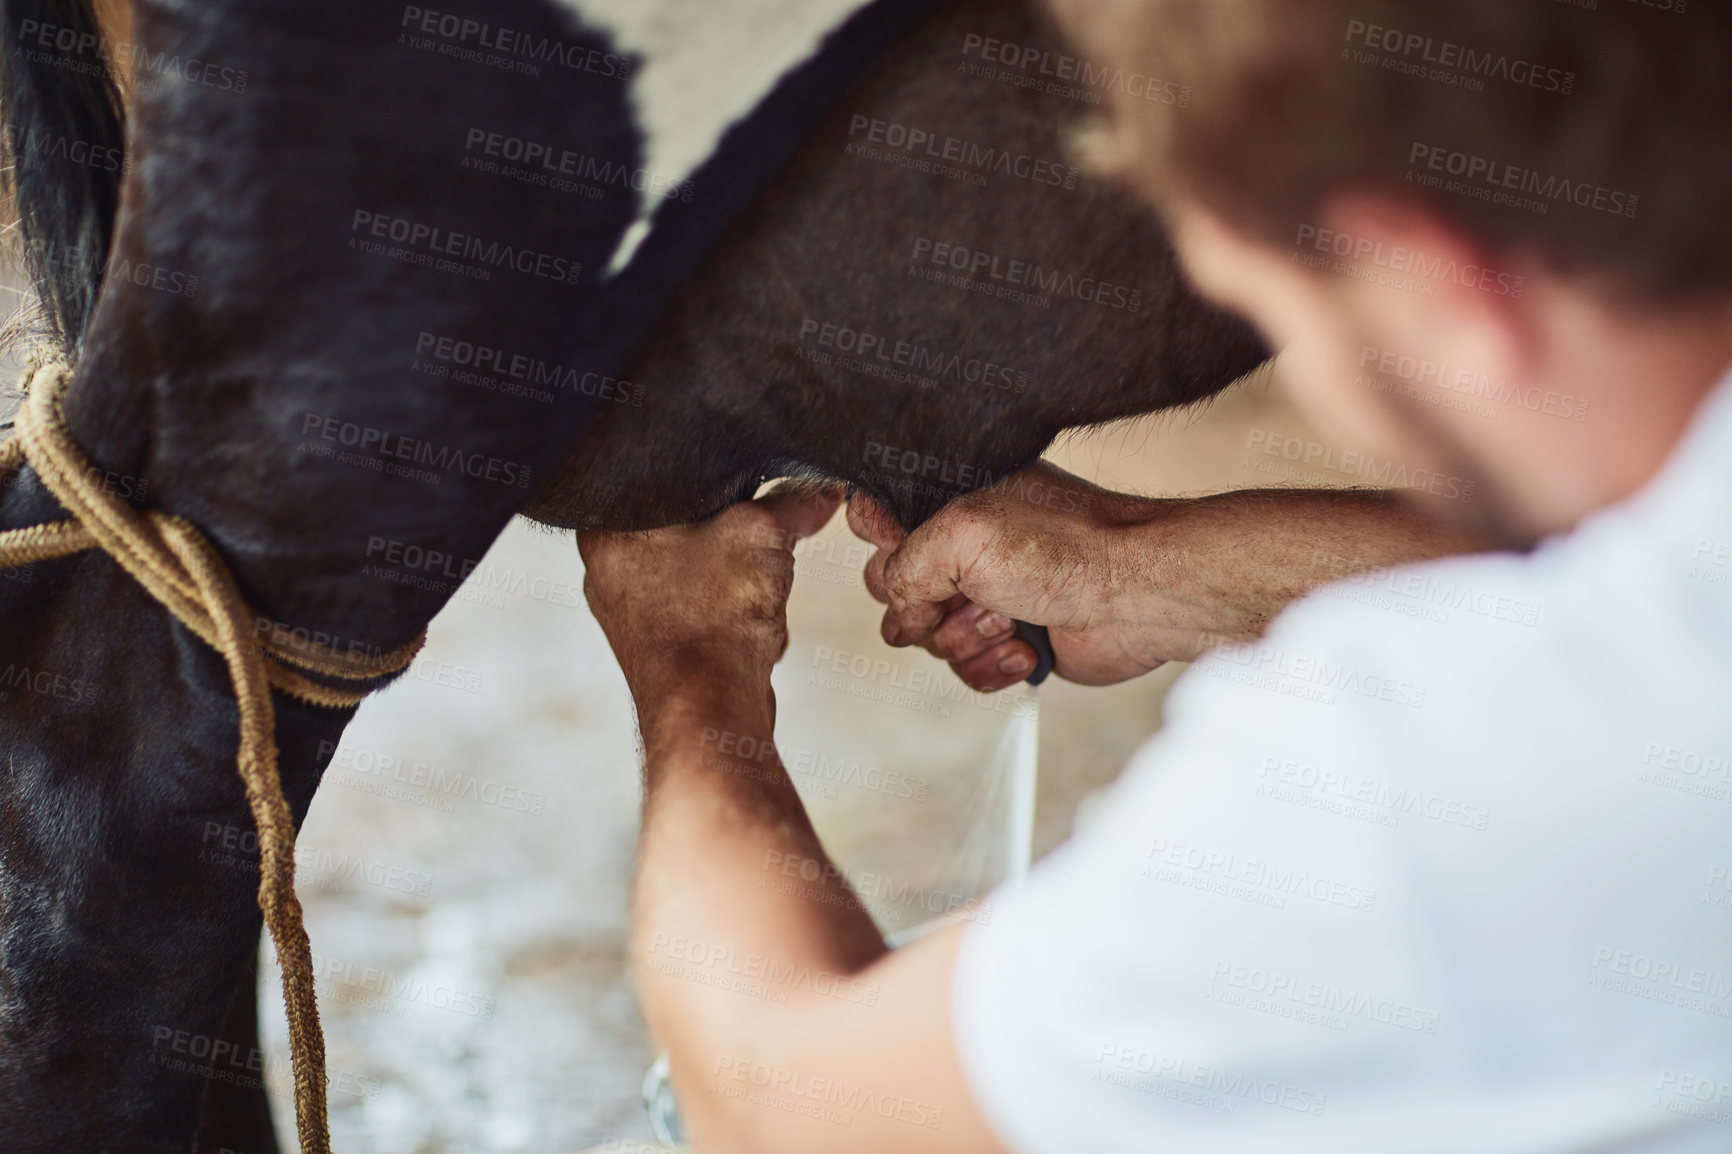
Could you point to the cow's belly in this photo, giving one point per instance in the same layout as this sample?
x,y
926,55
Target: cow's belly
x,y
918,304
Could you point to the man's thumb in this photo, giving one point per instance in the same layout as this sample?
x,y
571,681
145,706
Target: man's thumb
x,y
873,523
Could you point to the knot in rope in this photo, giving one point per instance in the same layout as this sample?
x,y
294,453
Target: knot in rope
x,y
177,566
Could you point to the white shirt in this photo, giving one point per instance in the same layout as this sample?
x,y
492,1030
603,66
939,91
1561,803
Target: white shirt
x,y
1444,864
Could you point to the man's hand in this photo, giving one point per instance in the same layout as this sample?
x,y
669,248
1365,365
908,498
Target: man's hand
x,y
1041,547
705,602
1124,584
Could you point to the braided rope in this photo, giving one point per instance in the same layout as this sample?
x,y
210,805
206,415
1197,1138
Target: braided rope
x,y
179,568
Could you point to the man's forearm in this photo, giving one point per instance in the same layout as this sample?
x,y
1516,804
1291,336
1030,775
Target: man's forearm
x,y
1191,574
789,1027
737,909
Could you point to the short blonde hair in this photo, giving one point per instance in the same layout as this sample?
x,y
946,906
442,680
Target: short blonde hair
x,y
1595,135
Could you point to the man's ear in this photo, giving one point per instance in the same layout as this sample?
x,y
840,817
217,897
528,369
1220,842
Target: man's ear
x,y
1408,273
1220,262
1245,274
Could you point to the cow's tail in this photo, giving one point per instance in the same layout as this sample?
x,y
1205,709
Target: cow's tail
x,y
64,135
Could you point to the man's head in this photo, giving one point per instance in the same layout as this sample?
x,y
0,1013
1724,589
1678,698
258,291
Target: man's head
x,y
1493,236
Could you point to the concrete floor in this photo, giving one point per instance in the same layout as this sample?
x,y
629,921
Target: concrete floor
x,y
466,863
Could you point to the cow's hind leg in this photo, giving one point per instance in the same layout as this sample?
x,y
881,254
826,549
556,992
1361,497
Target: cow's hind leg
x,y
236,1117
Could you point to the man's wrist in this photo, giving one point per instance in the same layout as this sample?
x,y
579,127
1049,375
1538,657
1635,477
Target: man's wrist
x,y
1162,589
676,714
692,670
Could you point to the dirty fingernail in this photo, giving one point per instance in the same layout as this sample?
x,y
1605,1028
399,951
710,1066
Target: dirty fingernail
x,y
1016,664
992,624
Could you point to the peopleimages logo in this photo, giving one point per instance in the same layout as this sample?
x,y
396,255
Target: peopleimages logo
x,y
46,683
864,350
1258,880
1119,1065
795,1092
1410,262
1384,473
554,161
1071,74
430,243
40,42
367,767
468,39
977,160
911,462
1500,182
1389,365
368,439
383,983
1333,790
39,146
1454,62
1306,676
1331,1001
982,268
761,968
525,370
1671,980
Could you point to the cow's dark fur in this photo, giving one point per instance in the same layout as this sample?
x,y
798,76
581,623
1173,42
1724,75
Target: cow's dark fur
x,y
735,386
116,924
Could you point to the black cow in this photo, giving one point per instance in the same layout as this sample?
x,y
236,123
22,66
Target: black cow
x,y
369,270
